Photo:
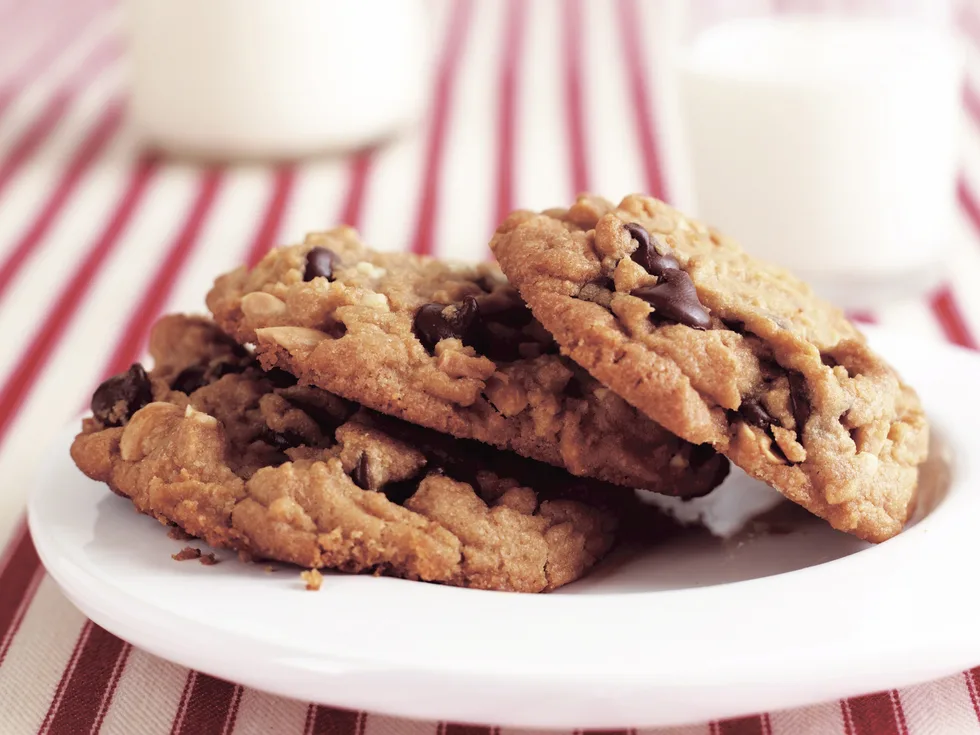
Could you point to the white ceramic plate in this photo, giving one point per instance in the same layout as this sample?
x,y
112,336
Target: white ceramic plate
x,y
689,631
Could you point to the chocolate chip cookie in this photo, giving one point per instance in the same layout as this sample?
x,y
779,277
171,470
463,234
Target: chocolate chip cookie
x,y
724,349
249,460
451,347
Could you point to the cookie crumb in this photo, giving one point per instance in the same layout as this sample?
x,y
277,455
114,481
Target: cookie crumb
x,y
313,579
178,534
209,560
188,552
269,569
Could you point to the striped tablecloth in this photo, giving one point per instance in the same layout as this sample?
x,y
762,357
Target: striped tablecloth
x,y
532,101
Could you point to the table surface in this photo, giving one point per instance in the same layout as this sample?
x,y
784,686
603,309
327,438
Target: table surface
x,y
532,101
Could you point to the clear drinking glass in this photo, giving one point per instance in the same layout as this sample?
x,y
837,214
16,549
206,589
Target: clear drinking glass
x,y
823,136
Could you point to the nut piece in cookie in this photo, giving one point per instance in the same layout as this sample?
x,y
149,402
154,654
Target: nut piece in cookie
x,y
452,347
251,461
724,349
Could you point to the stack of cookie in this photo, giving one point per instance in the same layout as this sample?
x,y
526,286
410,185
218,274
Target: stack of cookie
x,y
366,411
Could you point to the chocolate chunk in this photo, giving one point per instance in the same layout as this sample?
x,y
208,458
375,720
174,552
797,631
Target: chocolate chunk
x,y
515,315
320,263
118,398
676,300
360,473
754,413
190,379
432,324
283,440
280,378
800,402
646,254
704,459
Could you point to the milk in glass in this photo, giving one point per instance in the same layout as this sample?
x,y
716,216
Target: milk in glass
x,y
827,145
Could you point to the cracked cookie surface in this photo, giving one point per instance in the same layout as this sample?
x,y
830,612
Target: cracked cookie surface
x,y
251,461
451,347
724,349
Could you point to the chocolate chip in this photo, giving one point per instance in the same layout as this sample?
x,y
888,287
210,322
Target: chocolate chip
x,y
676,300
280,378
432,324
320,263
283,440
646,254
119,397
828,360
800,401
360,473
190,379
754,413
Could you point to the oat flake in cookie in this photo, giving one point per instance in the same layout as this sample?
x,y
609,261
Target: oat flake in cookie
x,y
724,349
451,347
251,461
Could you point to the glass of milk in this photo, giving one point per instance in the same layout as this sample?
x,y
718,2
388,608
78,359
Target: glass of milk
x,y
827,141
244,79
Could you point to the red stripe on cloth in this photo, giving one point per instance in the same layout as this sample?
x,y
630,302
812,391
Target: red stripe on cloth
x,y
110,691
754,725
452,51
359,171
185,693
65,677
871,714
32,136
449,728
510,58
947,312
639,84
85,155
972,678
128,348
25,373
864,317
572,47
969,22
971,102
97,668
210,707
6,97
268,231
323,720
18,579
968,202
57,41
903,727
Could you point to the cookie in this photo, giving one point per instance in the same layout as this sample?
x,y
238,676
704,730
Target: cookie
x,y
724,349
251,461
451,347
